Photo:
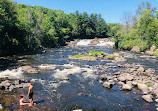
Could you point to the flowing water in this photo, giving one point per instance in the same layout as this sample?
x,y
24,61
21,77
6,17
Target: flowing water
x,y
82,90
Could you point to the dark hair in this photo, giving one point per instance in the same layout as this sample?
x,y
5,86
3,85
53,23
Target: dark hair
x,y
21,96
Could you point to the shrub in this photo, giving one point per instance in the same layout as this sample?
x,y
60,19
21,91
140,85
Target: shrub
x,y
96,54
78,56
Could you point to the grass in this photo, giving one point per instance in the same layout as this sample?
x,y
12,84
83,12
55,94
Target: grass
x,y
156,52
149,84
97,54
111,57
78,56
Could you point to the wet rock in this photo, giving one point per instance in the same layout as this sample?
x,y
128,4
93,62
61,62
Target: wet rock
x,y
100,81
46,67
156,100
134,83
19,86
143,87
148,98
127,87
128,77
120,83
16,82
65,78
121,78
119,59
94,42
5,84
150,71
12,87
29,69
1,107
116,54
103,77
141,69
135,49
107,85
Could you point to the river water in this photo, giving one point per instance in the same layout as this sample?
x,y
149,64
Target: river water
x,y
82,90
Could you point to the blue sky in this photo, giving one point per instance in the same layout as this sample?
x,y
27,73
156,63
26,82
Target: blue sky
x,y
111,10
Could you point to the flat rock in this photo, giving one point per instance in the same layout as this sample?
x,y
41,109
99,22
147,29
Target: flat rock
x,y
148,98
127,87
107,85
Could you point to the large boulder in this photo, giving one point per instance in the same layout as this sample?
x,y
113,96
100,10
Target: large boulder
x,y
135,49
126,87
12,87
153,48
141,69
103,77
143,87
150,71
107,85
148,98
149,53
29,69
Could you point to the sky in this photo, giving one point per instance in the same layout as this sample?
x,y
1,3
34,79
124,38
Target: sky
x,y
111,10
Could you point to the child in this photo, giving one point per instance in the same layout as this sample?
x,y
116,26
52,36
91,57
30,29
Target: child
x,y
22,102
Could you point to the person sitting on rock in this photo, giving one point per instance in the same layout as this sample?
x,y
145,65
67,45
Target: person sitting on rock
x,y
22,102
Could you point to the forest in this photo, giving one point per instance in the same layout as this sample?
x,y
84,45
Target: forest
x,y
139,30
25,28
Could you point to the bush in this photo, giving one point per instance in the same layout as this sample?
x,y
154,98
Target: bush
x,y
78,56
97,54
156,52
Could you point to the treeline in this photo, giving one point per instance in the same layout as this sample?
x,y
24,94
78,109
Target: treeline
x,y
25,28
139,30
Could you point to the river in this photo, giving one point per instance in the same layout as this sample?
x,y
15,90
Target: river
x,y
82,90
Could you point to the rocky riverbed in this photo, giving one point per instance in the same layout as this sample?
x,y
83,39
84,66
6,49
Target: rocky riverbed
x,y
119,81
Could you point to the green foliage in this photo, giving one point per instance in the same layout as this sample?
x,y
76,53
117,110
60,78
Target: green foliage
x,y
144,33
97,54
156,52
111,57
25,28
149,84
78,56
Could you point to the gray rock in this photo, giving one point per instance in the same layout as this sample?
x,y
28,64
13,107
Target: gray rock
x,y
29,69
12,87
127,87
149,53
121,78
150,71
135,49
141,69
103,77
19,86
148,98
156,100
107,85
16,82
153,48
120,83
143,87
